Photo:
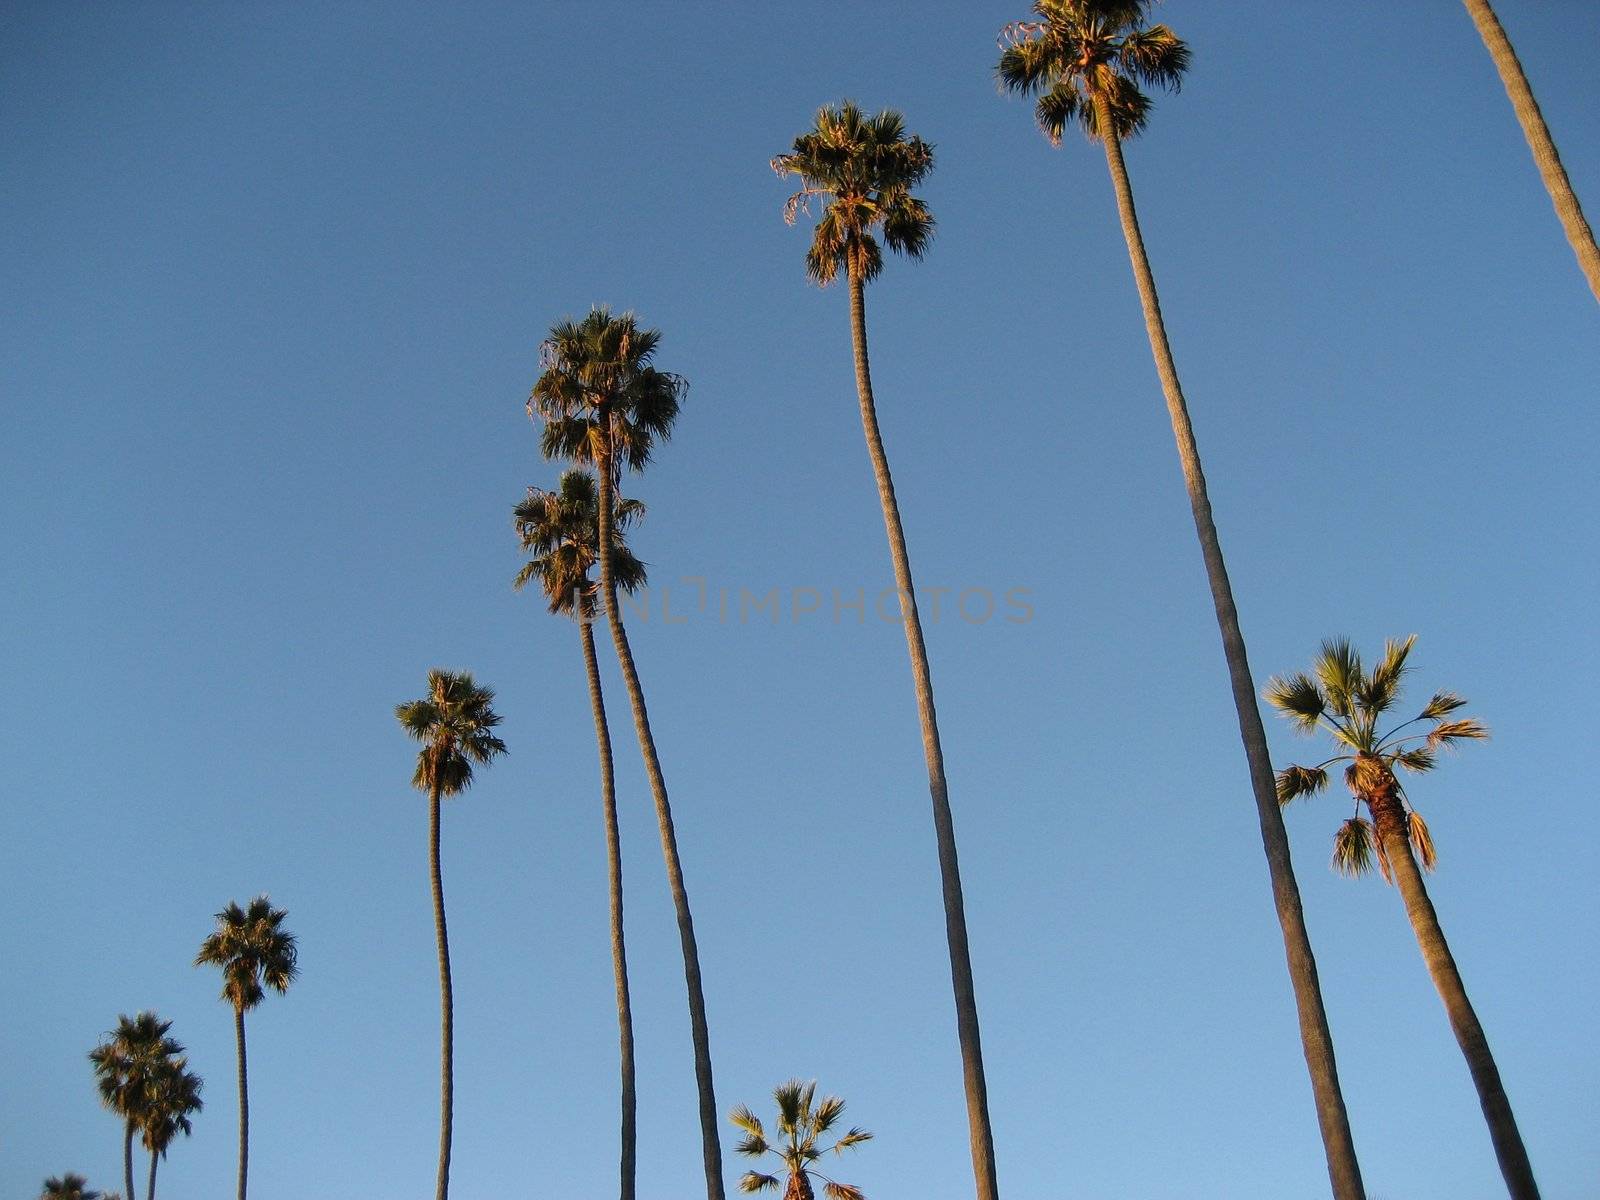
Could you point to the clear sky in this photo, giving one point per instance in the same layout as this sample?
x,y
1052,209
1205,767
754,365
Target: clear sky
x,y
274,277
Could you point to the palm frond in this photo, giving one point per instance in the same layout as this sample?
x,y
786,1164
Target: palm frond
x,y
843,1191
1442,705
1298,698
1352,847
1421,840
1338,668
1416,760
747,1121
754,1181
1448,733
854,1137
1382,688
1294,782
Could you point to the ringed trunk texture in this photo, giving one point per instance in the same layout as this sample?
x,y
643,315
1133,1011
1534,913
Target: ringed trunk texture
x,y
799,1187
710,1144
244,1102
1540,142
1390,822
1344,1172
955,917
619,953
127,1160
446,1002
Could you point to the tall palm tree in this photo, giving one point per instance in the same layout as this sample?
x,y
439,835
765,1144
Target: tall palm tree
x,y
862,169
69,1187
174,1097
561,529
126,1065
454,723
1086,60
801,1125
254,952
605,404
1347,702
1545,157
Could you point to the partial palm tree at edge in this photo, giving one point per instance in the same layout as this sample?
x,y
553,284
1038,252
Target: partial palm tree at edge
x,y
1545,156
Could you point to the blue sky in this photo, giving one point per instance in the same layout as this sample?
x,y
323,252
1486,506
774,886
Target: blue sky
x,y
274,282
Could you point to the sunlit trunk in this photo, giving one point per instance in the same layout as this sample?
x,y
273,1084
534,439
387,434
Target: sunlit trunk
x,y
619,953
955,918
1343,1170
710,1143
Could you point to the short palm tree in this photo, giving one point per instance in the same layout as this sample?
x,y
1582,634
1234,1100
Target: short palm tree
x,y
1087,60
254,952
1344,700
561,529
605,404
454,723
126,1065
1537,133
173,1098
801,1127
68,1187
862,171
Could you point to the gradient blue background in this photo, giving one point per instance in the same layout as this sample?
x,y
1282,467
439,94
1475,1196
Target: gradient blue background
x,y
274,279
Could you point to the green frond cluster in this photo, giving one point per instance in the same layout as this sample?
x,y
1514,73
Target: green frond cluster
x,y
453,722
601,398
253,951
1086,60
561,529
861,169
1341,696
802,1122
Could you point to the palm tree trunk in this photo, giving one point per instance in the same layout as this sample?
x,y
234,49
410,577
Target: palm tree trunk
x,y
710,1144
127,1161
150,1190
244,1102
1508,1148
955,917
446,1001
1343,1170
619,952
1540,142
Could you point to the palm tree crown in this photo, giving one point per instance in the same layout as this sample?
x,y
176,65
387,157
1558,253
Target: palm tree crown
x,y
601,399
561,529
1082,56
68,1187
253,949
1347,701
801,1125
864,167
128,1062
453,722
174,1097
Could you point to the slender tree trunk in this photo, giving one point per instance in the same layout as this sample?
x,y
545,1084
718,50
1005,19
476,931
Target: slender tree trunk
x,y
150,1189
710,1144
127,1160
244,1101
619,952
446,1002
955,917
1540,142
1389,820
1343,1170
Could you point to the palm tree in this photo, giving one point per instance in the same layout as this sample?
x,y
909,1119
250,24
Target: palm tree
x,y
561,530
174,1096
1086,60
1347,702
453,723
126,1064
862,170
800,1126
604,404
254,952
1540,142
69,1187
